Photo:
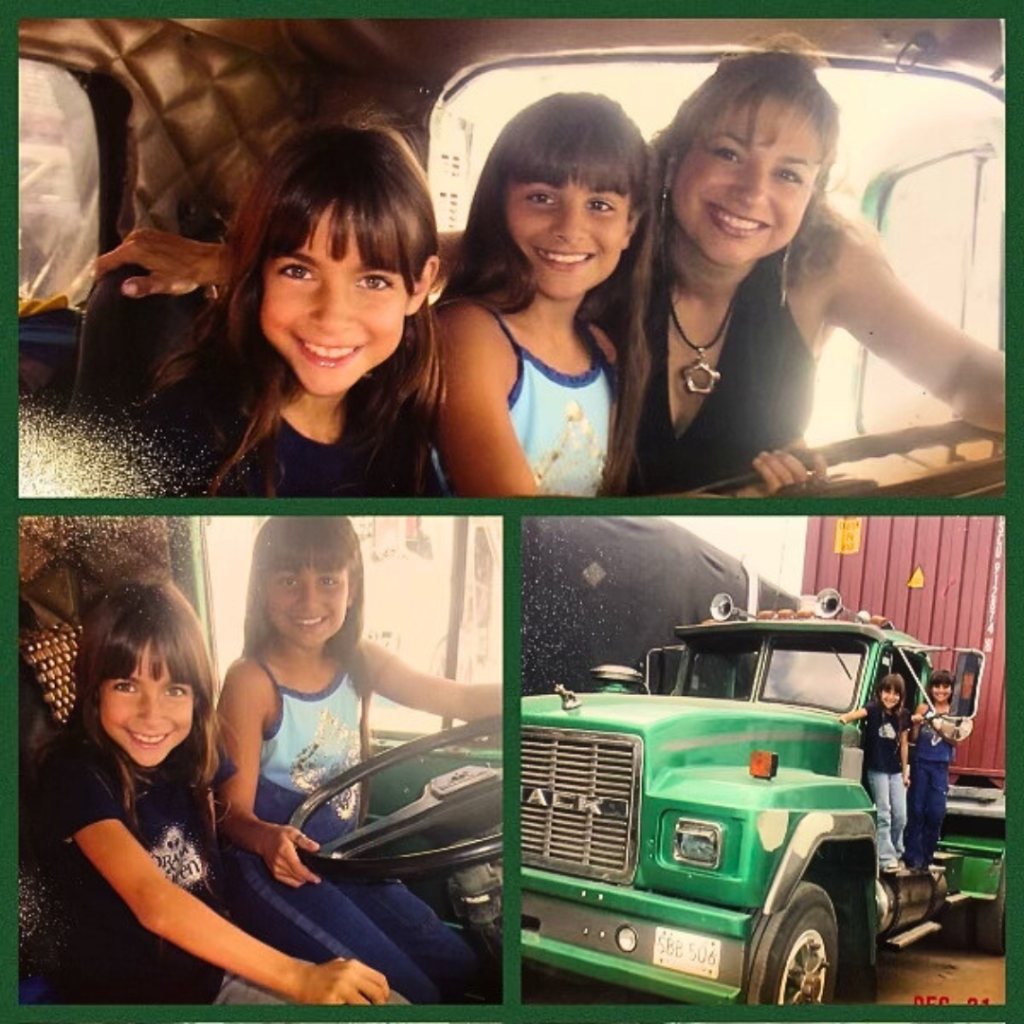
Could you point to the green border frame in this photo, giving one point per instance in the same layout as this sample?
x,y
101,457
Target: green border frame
x,y
512,1011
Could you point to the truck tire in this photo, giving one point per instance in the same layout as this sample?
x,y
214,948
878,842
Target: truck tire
x,y
990,919
796,957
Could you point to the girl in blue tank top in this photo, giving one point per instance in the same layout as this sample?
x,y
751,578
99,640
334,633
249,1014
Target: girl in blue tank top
x,y
294,713
551,284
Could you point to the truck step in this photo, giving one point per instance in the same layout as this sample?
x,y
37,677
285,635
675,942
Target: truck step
x,y
911,935
957,897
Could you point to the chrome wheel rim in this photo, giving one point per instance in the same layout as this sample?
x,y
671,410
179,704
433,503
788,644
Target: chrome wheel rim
x,y
805,971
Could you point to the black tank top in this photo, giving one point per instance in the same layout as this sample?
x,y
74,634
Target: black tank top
x,y
763,400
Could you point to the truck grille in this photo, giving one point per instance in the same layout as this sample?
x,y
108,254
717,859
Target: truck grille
x,y
579,802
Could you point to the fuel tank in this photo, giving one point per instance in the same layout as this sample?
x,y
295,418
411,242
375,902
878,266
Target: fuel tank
x,y
907,898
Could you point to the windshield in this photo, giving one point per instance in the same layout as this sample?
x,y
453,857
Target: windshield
x,y
820,676
718,667
813,671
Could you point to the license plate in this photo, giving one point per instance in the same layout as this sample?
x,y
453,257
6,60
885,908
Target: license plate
x,y
687,952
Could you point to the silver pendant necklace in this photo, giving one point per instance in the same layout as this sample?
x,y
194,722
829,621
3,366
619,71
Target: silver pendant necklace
x,y
700,377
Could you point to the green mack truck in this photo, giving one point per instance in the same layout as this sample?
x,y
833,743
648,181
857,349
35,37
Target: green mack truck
x,y
699,830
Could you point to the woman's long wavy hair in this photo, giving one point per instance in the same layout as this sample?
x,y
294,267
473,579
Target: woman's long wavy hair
x,y
784,72
289,544
151,621
588,140
368,184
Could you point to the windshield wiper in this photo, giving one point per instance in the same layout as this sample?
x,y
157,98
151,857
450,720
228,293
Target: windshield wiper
x,y
842,663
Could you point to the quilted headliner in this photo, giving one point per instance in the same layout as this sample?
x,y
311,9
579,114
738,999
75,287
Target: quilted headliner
x,y
204,112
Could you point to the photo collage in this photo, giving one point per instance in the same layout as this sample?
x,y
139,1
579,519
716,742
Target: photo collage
x,y
648,646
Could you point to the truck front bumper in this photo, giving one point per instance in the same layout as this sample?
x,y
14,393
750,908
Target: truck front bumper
x,y
576,926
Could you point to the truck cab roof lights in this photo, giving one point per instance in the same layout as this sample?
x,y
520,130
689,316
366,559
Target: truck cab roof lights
x,y
827,604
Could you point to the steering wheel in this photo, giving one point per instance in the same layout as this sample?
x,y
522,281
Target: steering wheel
x,y
970,476
455,798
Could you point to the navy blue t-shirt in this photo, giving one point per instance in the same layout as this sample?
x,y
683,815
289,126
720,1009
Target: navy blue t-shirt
x,y
882,738
103,954
194,426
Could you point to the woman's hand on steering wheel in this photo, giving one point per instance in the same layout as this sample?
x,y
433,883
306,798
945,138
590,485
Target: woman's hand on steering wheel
x,y
278,845
782,468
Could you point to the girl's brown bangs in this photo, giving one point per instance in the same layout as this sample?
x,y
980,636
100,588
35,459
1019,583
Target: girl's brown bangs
x,y
387,238
377,230
301,544
121,654
589,161
163,637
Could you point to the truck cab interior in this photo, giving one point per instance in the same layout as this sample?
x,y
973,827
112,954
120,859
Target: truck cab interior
x,y
433,597
128,123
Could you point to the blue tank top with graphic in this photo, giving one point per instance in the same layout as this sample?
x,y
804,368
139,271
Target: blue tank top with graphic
x,y
315,738
561,420
932,746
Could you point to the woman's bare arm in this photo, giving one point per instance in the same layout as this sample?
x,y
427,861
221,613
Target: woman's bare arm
x,y
869,301
176,265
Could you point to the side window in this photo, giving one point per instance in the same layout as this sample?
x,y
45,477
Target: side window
x,y
942,228
920,665
892,662
432,595
470,114
58,184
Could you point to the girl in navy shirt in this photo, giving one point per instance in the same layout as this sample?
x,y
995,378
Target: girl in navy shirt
x,y
128,836
885,759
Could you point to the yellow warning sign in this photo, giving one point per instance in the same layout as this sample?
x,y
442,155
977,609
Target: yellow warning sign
x,y
847,536
916,581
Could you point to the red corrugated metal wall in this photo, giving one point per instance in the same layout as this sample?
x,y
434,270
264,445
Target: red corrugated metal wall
x,y
961,602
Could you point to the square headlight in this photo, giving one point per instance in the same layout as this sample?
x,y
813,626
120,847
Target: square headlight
x,y
698,843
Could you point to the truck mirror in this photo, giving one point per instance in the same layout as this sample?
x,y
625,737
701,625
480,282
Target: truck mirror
x,y
967,683
656,663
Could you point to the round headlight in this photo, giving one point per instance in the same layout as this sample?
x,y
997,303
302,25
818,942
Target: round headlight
x,y
626,939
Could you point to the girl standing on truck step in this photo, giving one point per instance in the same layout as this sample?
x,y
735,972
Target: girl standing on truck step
x,y
885,761
293,713
934,749
315,373
127,833
541,323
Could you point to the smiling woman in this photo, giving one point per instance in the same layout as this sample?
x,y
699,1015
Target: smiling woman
x,y
754,271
